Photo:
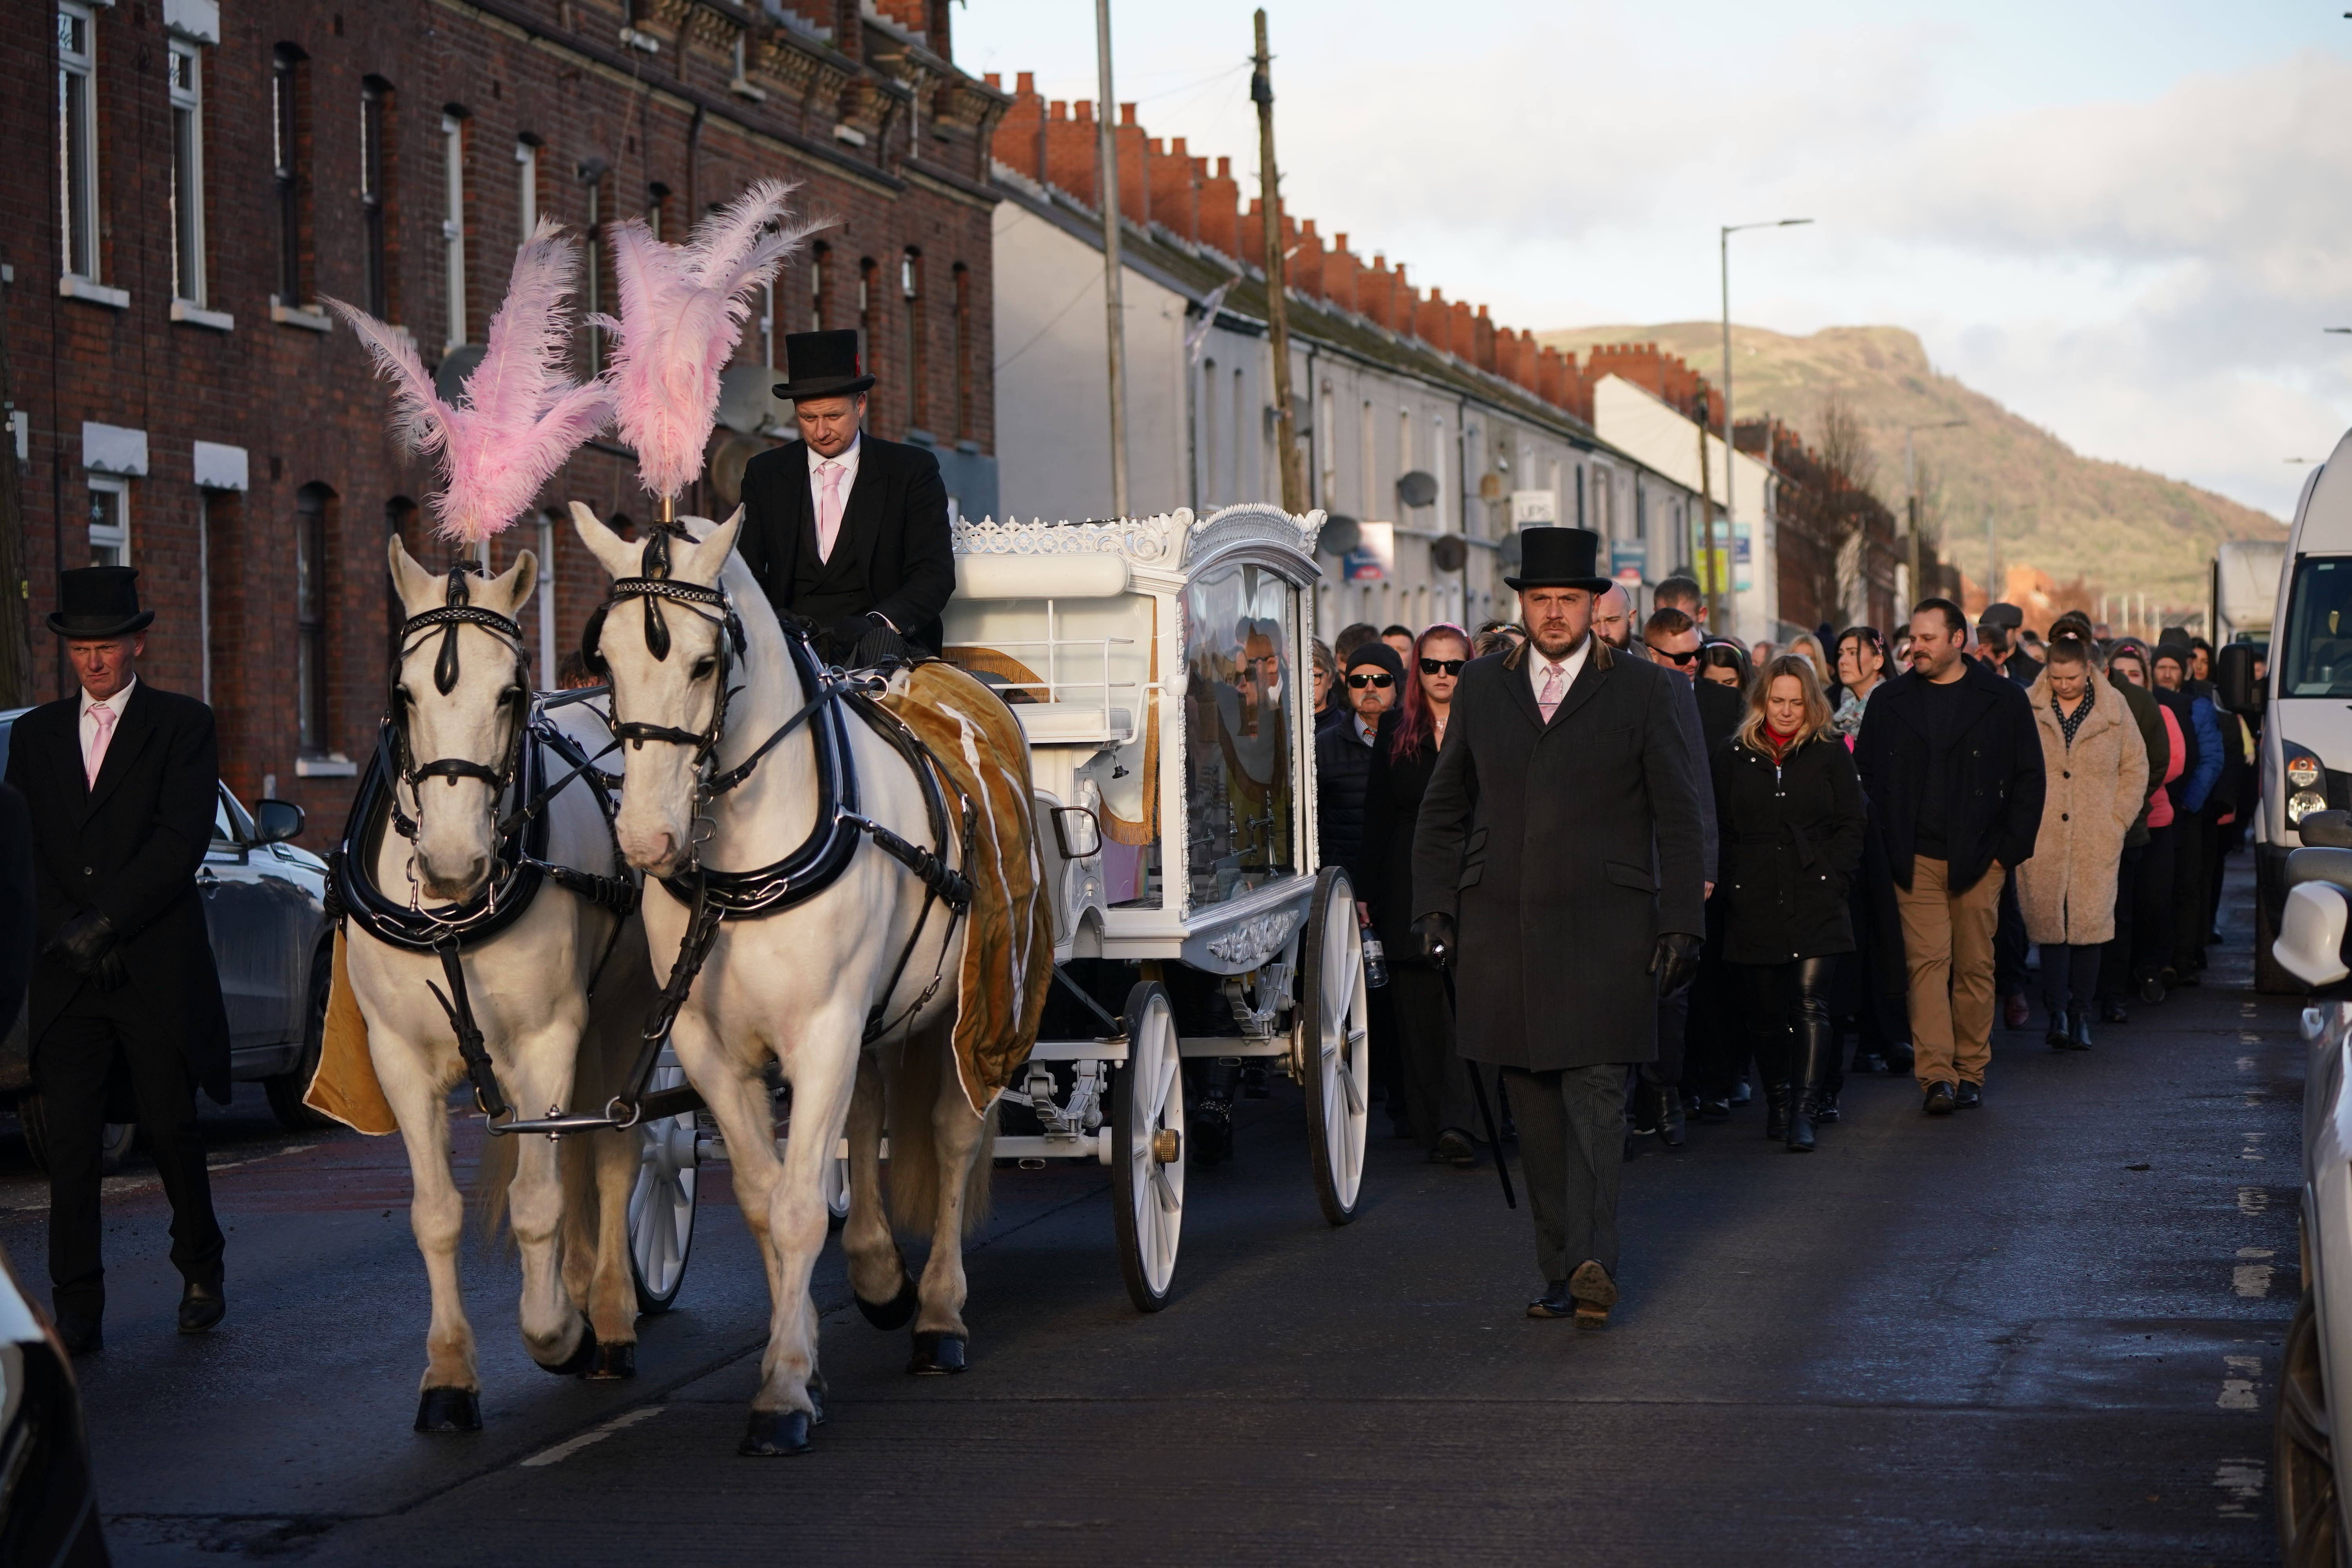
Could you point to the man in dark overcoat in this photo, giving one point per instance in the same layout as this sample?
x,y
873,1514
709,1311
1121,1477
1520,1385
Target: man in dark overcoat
x,y
122,781
842,529
1559,862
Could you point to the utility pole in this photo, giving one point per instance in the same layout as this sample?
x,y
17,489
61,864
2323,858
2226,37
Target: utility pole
x,y
1702,560
1114,295
1277,305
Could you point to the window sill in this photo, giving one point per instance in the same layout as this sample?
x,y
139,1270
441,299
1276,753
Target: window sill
x,y
333,766
72,288
195,315
309,318
849,133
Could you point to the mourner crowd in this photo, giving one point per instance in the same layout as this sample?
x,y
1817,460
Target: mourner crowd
x,y
1827,858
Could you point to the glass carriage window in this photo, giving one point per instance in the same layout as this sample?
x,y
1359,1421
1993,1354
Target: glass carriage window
x,y
1241,830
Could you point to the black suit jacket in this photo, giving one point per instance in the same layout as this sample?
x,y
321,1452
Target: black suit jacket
x,y
896,521
1997,785
1562,850
130,847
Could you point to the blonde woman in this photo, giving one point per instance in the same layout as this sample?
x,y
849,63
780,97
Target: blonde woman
x,y
1790,808
2096,764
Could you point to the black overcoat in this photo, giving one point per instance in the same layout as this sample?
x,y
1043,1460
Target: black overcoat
x,y
895,520
1392,792
1562,850
1792,836
1996,802
131,847
1342,764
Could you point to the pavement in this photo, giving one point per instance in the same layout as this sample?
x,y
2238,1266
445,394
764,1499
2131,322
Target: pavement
x,y
2046,1331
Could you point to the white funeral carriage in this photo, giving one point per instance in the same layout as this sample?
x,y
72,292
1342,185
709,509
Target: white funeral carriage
x,y
1159,667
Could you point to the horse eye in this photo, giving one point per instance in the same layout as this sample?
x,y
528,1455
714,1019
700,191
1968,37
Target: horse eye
x,y
704,665
401,694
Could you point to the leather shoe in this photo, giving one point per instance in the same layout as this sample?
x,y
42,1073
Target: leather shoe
x,y
1593,1293
1715,1109
201,1307
1454,1148
1937,1101
1968,1097
1555,1302
1670,1117
2113,1011
1826,1106
80,1336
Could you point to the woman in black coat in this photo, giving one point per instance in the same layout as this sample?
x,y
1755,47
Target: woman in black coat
x,y
1405,754
1790,807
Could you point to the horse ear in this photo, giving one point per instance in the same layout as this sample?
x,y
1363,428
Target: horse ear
x,y
617,555
512,587
419,590
711,551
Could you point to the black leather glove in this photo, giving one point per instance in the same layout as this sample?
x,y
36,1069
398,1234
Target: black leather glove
x,y
848,632
1433,940
1676,960
112,973
83,940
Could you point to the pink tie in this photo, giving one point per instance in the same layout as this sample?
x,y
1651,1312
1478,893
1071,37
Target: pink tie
x,y
828,522
103,717
1548,697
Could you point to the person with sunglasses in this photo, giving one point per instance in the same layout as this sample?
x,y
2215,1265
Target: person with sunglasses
x,y
1404,753
1371,682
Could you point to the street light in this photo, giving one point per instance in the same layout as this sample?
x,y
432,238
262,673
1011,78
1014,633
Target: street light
x,y
1723,256
1911,491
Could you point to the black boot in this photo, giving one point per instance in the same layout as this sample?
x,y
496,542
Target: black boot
x,y
2058,1036
1799,1138
1815,1044
2079,1036
1776,1111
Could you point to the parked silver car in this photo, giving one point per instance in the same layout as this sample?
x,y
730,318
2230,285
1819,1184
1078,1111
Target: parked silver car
x,y
265,908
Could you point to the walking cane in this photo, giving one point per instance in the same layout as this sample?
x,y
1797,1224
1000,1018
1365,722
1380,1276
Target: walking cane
x,y
1486,1111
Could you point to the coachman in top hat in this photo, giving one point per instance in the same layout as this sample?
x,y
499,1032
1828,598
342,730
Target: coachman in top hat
x,y
842,529
123,783
1558,866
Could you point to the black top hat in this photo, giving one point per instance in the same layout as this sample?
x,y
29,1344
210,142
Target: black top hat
x,y
1560,558
821,364
99,602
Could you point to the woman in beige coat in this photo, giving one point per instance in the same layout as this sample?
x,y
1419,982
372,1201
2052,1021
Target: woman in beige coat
x,y
2097,771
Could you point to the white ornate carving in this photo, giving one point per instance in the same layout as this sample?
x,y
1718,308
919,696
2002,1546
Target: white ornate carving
x,y
1148,541
1255,521
1251,942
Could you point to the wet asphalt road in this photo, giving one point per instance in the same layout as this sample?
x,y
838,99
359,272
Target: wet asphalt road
x,y
2047,1331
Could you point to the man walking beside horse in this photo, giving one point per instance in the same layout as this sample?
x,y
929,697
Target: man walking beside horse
x,y
1560,866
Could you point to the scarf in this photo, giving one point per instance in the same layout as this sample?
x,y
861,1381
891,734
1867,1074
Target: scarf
x,y
2068,726
1777,745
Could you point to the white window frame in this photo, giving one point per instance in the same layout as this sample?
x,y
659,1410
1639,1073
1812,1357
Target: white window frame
x,y
527,187
452,226
110,484
79,219
188,281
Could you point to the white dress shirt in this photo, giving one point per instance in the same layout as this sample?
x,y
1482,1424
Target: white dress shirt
x,y
119,702
816,460
1570,669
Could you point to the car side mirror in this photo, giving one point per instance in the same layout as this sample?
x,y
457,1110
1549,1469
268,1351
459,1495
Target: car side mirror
x,y
2233,674
1078,831
275,821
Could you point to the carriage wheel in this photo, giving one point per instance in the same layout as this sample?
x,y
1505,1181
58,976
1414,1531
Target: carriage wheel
x,y
661,1204
1147,1148
1331,1014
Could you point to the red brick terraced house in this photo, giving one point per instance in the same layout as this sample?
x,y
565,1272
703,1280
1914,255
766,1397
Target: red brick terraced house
x,y
189,180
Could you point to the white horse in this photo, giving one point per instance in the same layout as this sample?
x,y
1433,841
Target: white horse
x,y
560,996
798,985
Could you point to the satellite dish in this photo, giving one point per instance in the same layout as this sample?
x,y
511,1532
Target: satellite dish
x,y
746,405
1417,489
1510,551
455,366
1339,534
1449,553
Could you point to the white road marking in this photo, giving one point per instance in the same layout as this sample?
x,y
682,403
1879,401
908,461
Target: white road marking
x,y
2238,1390
2242,1480
571,1446
2252,1280
2252,1200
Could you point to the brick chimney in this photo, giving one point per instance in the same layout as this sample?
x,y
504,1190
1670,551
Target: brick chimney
x,y
1176,189
1020,141
1483,352
1464,332
1070,149
1340,268
1134,167
1221,202
1306,268
1430,318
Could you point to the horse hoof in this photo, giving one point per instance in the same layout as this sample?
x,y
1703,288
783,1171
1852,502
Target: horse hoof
x,y
937,1354
897,1311
611,1363
450,1410
580,1360
774,1434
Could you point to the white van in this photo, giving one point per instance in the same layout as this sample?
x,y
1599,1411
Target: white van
x,y
2305,698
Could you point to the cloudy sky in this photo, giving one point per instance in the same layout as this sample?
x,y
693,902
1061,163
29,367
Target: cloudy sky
x,y
2129,222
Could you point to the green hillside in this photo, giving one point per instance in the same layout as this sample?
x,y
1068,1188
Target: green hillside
x,y
2120,529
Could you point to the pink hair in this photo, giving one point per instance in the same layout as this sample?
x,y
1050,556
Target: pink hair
x,y
1419,724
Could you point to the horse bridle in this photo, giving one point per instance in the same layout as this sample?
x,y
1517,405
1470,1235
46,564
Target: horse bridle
x,y
455,611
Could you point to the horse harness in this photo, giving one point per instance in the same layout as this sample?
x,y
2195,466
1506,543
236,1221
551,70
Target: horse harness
x,y
521,865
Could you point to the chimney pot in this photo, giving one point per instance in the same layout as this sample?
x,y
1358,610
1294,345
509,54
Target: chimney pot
x,y
1058,109
994,80
1085,109
1224,168
1026,84
1176,148
1126,114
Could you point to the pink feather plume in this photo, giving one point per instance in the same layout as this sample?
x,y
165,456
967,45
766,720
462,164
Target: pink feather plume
x,y
519,415
682,309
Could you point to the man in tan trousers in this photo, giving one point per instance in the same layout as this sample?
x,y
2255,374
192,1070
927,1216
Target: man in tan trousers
x,y
1952,764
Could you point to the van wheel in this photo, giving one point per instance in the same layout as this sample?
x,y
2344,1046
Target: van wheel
x,y
115,1138
287,1089
2311,1528
2271,977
